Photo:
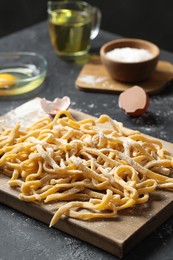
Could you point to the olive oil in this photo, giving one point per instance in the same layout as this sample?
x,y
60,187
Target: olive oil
x,y
70,32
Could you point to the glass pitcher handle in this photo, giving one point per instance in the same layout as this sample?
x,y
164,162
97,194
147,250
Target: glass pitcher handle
x,y
96,21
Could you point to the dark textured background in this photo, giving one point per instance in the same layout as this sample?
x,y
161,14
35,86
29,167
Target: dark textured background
x,y
149,19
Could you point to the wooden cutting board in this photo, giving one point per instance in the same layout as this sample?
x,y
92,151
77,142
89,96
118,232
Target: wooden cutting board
x,y
94,77
116,236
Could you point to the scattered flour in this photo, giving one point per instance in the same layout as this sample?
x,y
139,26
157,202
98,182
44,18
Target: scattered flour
x,y
91,105
91,79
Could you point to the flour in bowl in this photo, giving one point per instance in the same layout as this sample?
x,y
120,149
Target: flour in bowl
x,y
128,54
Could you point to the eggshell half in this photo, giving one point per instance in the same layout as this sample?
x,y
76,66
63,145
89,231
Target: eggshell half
x,y
134,101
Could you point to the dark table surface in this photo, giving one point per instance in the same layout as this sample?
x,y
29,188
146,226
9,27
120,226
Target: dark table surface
x,y
22,237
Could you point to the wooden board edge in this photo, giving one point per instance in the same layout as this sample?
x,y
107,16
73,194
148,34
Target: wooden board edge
x,y
124,86
118,91
147,229
70,227
65,225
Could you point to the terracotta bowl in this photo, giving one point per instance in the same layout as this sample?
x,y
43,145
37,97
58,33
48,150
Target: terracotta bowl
x,y
130,71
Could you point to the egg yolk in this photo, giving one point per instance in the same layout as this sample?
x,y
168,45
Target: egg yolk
x,y
7,80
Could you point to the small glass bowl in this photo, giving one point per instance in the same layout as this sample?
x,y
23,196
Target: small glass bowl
x,y
21,72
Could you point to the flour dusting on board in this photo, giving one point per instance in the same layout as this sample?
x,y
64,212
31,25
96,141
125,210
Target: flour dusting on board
x,y
26,114
90,79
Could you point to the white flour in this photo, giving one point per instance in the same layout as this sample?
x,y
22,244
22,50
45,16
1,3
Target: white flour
x,y
91,79
129,54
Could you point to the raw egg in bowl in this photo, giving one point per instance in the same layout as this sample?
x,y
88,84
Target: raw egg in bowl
x,y
21,72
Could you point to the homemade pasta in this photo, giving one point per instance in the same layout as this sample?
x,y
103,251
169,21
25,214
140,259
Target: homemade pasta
x,y
88,169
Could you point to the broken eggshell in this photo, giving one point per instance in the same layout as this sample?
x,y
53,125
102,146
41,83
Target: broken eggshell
x,y
53,107
134,101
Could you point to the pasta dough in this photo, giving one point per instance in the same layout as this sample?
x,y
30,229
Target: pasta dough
x,y
94,168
